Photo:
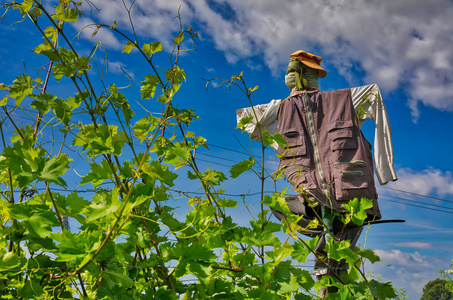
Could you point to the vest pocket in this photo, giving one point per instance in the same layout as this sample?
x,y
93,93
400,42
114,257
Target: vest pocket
x,y
349,189
295,174
351,180
298,175
341,135
295,144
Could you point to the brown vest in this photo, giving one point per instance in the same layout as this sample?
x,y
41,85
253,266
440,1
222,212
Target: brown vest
x,y
327,159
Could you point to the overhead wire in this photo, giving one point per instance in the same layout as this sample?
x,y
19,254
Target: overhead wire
x,y
415,201
419,206
416,194
245,153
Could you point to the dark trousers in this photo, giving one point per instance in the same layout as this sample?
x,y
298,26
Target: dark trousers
x,y
322,267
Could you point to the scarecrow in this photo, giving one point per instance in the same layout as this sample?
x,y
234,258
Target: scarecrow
x,y
326,158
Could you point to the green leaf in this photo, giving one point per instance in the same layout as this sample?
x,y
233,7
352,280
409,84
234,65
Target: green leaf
x,y
175,75
201,270
301,296
356,210
4,101
144,126
117,98
252,89
65,14
22,86
279,253
129,46
278,138
266,138
54,167
100,139
213,177
242,124
242,167
151,48
179,38
51,33
36,12
184,115
39,218
26,6
288,286
62,111
301,252
76,246
261,239
199,140
60,70
43,102
227,203
159,171
82,65
148,87
277,201
341,250
8,260
48,51
98,174
178,154
105,205
382,290
113,278
31,289
370,255
304,278
127,112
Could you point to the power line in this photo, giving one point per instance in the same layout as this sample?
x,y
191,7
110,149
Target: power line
x,y
424,207
211,162
414,201
245,153
218,157
416,194
228,149
187,193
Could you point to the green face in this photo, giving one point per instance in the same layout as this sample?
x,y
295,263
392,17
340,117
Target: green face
x,y
300,77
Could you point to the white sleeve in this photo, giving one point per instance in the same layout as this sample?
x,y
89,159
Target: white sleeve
x,y
368,104
266,115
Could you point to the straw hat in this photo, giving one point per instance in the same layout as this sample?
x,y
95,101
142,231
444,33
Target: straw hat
x,y
310,60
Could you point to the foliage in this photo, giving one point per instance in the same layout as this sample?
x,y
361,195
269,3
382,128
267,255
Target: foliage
x,y
129,242
447,275
436,290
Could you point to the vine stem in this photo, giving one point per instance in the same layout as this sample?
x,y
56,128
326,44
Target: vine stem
x,y
275,268
82,285
120,214
60,219
11,243
237,270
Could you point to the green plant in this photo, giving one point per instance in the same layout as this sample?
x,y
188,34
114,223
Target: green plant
x,y
129,242
447,275
436,289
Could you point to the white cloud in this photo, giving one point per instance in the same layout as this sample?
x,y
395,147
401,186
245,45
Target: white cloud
x,y
87,27
424,182
150,18
396,43
400,44
416,245
409,270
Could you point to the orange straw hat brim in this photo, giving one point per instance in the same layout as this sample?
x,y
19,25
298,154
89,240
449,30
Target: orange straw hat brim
x,y
310,60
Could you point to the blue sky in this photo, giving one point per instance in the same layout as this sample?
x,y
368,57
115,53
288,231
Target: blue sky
x,y
404,46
